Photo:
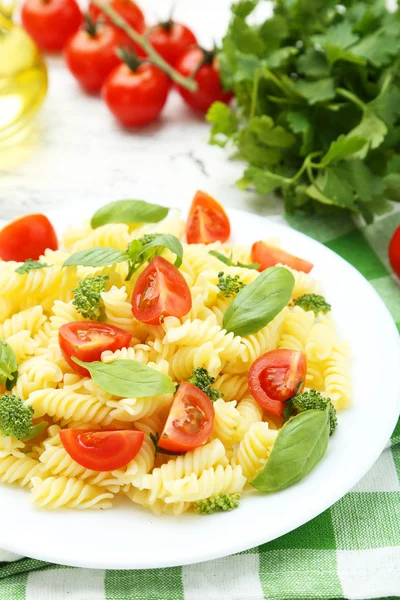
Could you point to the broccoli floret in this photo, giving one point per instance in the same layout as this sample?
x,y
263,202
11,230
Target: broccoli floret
x,y
229,286
15,417
313,302
87,296
217,503
314,400
202,379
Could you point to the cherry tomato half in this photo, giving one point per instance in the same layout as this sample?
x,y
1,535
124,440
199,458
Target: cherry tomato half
x,y
190,420
51,22
207,77
101,450
129,11
86,340
160,291
207,221
27,237
136,96
90,54
394,252
268,256
171,39
275,377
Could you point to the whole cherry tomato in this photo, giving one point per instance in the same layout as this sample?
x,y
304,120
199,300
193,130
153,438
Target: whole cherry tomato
x,y
171,40
51,22
204,65
27,237
90,54
132,14
394,252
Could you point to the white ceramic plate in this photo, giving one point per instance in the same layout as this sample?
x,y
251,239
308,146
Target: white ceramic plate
x,y
128,537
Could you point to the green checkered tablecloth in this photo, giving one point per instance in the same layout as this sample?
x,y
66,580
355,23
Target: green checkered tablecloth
x,y
350,551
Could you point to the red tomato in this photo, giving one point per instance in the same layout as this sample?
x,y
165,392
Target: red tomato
x,y
27,237
190,420
86,340
160,291
129,11
171,39
51,22
268,256
136,97
207,221
275,377
101,450
90,54
394,252
208,79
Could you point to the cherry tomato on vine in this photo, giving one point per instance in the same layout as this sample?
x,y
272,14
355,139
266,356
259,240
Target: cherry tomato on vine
x,y
87,340
268,256
129,11
394,252
171,40
51,22
136,91
101,450
207,221
275,377
27,237
190,420
161,290
90,54
207,77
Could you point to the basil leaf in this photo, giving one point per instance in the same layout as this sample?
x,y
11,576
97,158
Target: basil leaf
x,y
169,241
259,302
129,211
230,263
29,265
36,429
96,257
8,362
299,446
128,378
11,381
254,266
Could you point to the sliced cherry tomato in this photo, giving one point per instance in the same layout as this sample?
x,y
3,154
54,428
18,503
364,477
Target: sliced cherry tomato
x,y
190,420
394,252
90,54
275,377
207,221
102,450
129,11
160,291
136,92
268,256
209,87
86,340
27,237
171,39
51,22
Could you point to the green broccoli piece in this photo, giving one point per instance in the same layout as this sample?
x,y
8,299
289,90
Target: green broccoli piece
x,y
229,286
87,296
313,302
222,502
15,417
202,379
314,400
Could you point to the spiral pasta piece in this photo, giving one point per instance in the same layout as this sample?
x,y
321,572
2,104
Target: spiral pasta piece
x,y
158,507
23,345
20,470
337,375
233,387
139,352
9,446
250,412
226,422
115,235
30,319
211,482
118,310
296,328
303,283
138,467
64,492
254,449
36,373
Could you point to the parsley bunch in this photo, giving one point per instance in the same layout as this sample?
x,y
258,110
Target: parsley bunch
x,y
317,116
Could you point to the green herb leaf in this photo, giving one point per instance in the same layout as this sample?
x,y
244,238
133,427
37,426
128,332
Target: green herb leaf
x,y
8,363
259,302
263,180
36,430
316,91
169,241
229,262
12,381
129,211
128,378
30,265
298,448
342,148
96,257
224,123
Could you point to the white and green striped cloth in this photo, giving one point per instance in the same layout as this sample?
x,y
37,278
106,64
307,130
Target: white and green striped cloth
x,y
350,551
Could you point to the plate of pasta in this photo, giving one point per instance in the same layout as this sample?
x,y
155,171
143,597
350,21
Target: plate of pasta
x,y
211,378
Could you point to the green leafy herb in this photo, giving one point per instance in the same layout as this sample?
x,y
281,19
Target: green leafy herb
x,y
8,365
222,502
229,262
259,302
36,430
228,285
12,381
313,302
317,91
30,265
203,380
87,296
128,378
129,211
313,400
97,256
299,446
